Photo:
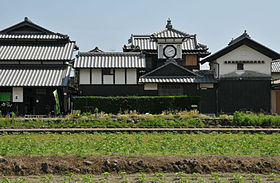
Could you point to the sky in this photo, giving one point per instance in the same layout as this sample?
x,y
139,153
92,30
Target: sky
x,y
109,24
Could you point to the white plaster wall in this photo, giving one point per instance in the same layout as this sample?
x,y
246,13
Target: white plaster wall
x,y
84,76
244,53
119,76
108,79
96,76
131,76
17,94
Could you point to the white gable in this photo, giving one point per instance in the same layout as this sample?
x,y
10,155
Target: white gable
x,y
244,53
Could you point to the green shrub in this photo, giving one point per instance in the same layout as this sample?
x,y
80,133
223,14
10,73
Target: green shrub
x,y
253,119
143,104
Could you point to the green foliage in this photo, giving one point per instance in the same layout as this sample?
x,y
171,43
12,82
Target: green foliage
x,y
20,180
5,180
47,179
142,104
238,178
166,143
184,118
253,119
141,178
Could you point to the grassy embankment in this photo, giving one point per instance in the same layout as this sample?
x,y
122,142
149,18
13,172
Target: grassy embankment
x,y
178,119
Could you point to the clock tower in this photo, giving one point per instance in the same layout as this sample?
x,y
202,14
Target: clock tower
x,y
169,42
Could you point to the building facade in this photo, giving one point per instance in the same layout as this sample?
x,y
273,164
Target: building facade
x,y
168,63
34,62
243,71
163,63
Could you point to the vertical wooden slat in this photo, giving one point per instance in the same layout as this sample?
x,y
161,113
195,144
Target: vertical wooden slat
x,y
277,92
191,60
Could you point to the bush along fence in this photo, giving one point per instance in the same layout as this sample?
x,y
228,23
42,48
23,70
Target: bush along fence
x,y
143,104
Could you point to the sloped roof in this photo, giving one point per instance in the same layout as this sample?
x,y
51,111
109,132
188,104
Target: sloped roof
x,y
244,39
29,41
170,68
27,30
110,60
178,79
169,32
34,75
177,74
245,74
148,42
144,42
25,51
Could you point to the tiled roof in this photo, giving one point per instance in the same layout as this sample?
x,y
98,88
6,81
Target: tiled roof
x,y
110,60
144,42
27,30
33,36
177,79
275,66
169,32
201,76
148,42
158,79
34,76
25,51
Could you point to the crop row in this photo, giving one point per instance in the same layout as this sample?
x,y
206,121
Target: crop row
x,y
140,143
159,177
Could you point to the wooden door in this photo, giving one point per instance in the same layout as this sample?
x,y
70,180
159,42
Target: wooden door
x,y
277,98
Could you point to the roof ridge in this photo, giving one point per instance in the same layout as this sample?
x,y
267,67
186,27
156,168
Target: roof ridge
x,y
154,35
242,36
27,21
108,53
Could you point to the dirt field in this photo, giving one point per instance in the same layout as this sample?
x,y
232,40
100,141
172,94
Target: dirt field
x,y
98,164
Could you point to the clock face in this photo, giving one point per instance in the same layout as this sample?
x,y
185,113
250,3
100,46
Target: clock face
x,y
169,51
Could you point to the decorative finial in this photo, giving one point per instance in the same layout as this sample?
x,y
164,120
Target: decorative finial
x,y
168,25
246,34
25,18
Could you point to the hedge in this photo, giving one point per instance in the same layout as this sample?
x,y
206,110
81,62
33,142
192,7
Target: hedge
x,y
143,104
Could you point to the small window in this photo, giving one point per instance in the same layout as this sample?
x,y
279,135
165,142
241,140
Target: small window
x,y
108,71
240,66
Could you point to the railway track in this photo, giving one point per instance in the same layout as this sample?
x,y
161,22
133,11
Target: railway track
x,y
159,129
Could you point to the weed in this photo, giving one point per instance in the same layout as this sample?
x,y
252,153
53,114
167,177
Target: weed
x,y
141,178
